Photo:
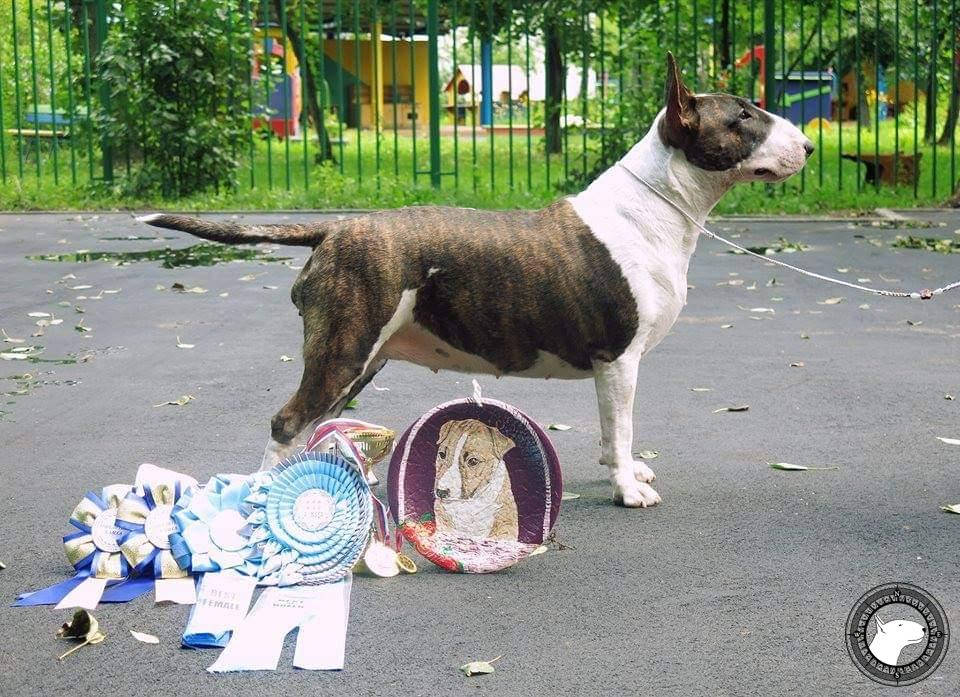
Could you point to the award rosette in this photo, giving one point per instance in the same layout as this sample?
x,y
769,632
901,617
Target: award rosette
x,y
312,516
146,517
310,523
93,550
475,485
210,522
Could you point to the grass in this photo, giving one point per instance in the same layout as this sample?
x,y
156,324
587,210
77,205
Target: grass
x,y
489,173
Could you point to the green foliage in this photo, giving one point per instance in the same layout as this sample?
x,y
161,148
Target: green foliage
x,y
173,73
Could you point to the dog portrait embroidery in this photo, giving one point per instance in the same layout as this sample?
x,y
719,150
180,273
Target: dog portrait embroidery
x,y
473,493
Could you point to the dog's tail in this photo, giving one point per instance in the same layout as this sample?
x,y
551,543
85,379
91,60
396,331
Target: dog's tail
x,y
306,235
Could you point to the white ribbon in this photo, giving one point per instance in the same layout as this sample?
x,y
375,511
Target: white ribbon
x,y
321,612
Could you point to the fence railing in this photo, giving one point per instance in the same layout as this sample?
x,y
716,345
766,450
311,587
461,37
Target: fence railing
x,y
482,102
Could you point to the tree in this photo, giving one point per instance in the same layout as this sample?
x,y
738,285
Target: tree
x,y
169,72
324,147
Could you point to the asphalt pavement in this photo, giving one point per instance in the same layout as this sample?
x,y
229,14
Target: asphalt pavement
x,y
738,583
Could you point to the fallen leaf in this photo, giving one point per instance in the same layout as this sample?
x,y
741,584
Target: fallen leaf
x,y
726,326
701,389
285,359
182,345
954,508
352,404
648,454
270,287
224,295
558,427
831,301
914,323
741,407
949,441
177,402
948,397
38,314
758,310
180,288
252,276
864,306
378,388
82,329
83,626
804,336
797,364
112,291
79,287
479,667
539,550
842,270
2,566
7,339
786,466
569,496
10,356
145,638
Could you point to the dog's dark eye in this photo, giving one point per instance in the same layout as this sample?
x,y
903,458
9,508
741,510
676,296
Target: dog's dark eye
x,y
473,462
443,454
744,115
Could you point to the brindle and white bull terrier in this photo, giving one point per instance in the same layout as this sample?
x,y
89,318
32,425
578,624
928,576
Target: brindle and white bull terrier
x,y
582,288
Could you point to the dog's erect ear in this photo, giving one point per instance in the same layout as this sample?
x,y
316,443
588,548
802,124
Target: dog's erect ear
x,y
501,443
445,430
681,120
880,628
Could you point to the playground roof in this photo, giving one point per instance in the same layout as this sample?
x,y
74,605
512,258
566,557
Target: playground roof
x,y
406,22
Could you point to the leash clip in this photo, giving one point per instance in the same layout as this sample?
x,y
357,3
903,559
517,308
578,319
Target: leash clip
x,y
926,294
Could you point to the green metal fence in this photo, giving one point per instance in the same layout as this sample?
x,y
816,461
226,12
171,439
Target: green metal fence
x,y
482,102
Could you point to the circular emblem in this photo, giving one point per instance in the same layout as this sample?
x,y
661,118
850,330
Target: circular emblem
x,y
897,634
159,525
313,509
224,531
475,485
106,535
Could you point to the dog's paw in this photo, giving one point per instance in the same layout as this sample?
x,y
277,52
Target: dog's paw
x,y
642,472
635,495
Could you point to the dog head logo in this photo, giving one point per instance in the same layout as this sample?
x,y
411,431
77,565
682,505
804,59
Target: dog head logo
x,y
893,636
469,453
897,634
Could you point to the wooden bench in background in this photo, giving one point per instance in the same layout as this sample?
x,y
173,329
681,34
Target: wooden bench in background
x,y
881,168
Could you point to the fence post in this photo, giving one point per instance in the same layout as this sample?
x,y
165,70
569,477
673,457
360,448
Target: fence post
x,y
433,58
770,55
106,145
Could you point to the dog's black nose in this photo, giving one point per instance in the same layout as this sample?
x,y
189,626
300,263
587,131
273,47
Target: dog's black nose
x,y
442,493
808,148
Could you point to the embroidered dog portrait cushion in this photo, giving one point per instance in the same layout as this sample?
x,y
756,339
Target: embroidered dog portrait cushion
x,y
475,486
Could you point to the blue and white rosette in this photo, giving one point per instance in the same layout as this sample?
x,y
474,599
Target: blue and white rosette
x,y
93,550
310,522
209,540
146,517
210,520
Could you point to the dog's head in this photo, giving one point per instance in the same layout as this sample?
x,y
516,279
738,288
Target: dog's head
x,y
468,454
901,632
724,133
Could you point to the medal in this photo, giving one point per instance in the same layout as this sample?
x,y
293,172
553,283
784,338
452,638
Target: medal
x,y
379,560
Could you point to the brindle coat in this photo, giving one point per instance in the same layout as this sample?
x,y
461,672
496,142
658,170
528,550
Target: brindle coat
x,y
506,287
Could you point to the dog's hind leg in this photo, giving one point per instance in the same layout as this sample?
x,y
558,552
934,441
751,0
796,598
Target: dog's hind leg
x,y
616,383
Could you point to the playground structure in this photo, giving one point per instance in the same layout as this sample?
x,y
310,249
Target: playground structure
x,y
274,56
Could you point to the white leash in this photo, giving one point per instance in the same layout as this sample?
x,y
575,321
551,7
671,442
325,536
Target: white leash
x,y
925,294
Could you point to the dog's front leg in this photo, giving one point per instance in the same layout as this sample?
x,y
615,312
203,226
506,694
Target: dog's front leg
x,y
616,386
